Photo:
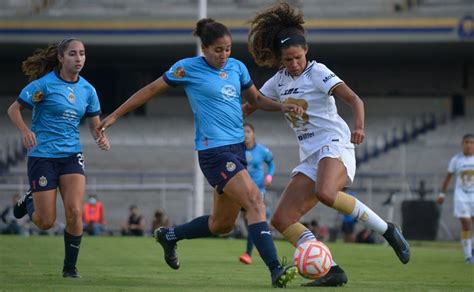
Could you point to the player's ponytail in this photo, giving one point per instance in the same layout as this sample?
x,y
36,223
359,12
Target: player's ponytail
x,y
45,60
269,27
208,30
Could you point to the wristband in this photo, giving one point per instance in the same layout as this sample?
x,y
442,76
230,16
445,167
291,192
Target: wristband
x,y
441,195
268,179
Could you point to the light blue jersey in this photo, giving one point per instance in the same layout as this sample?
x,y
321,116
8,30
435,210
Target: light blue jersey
x,y
58,107
257,157
215,98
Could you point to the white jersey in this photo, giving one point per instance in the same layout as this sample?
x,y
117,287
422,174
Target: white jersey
x,y
320,124
463,168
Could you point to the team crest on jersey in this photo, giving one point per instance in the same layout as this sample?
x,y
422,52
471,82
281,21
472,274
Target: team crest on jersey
x,y
230,166
223,75
37,97
179,72
42,181
71,97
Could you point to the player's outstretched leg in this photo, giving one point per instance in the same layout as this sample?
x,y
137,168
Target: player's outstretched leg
x,y
395,238
334,278
20,209
282,275
169,247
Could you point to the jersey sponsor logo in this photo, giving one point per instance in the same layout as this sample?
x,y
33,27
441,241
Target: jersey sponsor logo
x,y
228,92
305,136
230,166
329,77
37,97
291,91
179,72
223,75
42,181
70,115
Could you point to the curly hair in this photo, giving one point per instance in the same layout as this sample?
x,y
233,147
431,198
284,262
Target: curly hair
x,y
208,30
45,60
268,27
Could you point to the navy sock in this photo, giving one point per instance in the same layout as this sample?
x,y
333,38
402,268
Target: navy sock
x,y
249,245
196,228
72,244
30,207
262,237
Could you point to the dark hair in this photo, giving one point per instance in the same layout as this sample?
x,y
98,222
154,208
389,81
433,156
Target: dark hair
x,y
467,136
269,27
45,60
208,30
250,126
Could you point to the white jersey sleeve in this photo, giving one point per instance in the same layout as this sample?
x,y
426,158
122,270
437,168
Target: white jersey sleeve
x,y
269,89
452,164
325,79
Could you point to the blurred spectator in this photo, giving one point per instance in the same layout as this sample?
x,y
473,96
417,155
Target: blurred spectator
x,y
320,231
135,224
160,220
94,216
366,236
13,225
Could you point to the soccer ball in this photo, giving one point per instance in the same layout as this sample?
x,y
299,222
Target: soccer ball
x,y
312,259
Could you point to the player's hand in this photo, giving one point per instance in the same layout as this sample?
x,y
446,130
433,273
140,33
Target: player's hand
x,y
268,180
103,142
440,198
104,124
292,108
28,139
357,136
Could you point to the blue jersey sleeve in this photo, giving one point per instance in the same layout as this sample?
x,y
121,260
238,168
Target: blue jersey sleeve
x,y
176,75
269,161
93,107
32,94
245,80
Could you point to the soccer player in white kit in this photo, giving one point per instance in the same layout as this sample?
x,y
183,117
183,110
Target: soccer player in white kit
x,y
462,166
326,144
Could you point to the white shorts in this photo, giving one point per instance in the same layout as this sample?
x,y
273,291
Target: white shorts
x,y
309,166
463,209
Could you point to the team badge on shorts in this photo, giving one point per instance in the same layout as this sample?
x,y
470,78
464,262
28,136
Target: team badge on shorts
x,y
42,181
230,166
179,72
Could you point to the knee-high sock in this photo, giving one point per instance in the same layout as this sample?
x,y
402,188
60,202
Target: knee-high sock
x,y
297,233
249,245
466,243
72,244
262,238
196,228
349,205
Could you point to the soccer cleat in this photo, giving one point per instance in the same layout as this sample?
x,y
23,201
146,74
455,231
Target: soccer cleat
x,y
169,247
245,258
334,278
19,210
468,261
395,238
70,273
283,275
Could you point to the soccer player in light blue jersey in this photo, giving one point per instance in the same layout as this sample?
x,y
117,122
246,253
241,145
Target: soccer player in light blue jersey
x,y
257,156
215,85
59,98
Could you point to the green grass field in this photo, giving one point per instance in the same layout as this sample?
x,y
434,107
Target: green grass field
x,y
136,264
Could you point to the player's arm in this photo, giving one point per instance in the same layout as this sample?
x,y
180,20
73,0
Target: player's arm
x,y
136,100
258,101
271,169
100,140
345,93
14,113
444,187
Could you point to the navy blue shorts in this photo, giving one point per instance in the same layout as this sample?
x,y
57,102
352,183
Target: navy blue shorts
x,y
44,173
221,163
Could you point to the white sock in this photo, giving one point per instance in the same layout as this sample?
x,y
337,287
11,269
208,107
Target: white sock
x,y
467,248
369,218
308,235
